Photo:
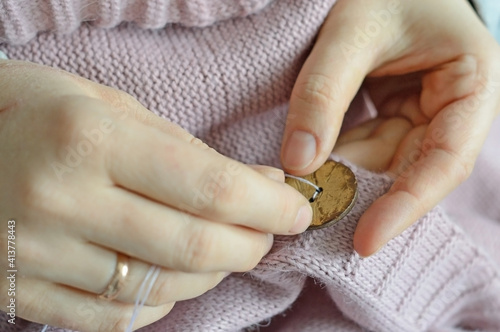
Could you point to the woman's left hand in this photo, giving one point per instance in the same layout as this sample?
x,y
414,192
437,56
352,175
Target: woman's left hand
x,y
433,64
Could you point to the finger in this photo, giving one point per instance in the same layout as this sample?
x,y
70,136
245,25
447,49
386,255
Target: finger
x,y
408,151
127,107
88,267
202,182
448,83
218,198
327,83
170,286
405,105
376,152
47,303
167,237
270,172
358,133
138,164
408,199
448,152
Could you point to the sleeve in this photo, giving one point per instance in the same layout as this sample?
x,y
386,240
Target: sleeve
x,y
432,277
21,20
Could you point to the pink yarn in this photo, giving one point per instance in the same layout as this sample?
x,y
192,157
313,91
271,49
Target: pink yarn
x,y
229,83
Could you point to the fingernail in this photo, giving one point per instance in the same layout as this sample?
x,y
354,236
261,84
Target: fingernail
x,y
300,150
363,255
303,220
272,173
270,242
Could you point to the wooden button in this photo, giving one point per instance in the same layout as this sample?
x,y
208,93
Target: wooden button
x,y
337,194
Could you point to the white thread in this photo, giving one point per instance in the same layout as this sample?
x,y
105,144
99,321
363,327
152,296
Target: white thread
x,y
153,273
318,189
303,180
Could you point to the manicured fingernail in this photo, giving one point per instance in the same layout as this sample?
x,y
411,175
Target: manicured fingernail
x,y
303,220
300,150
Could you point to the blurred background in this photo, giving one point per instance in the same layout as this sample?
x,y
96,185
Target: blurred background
x,y
489,10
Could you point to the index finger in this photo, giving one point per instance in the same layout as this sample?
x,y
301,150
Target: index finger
x,y
195,179
448,152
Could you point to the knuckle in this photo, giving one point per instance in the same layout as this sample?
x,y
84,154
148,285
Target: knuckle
x,y
84,124
221,192
124,97
230,197
66,117
316,90
125,103
199,143
74,116
117,97
130,215
196,251
465,167
37,196
460,165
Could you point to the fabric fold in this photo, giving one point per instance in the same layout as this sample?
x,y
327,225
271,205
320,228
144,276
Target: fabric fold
x,y
21,20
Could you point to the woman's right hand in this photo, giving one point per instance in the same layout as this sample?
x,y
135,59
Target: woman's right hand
x,y
87,172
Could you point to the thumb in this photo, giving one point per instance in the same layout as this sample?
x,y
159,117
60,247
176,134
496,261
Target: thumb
x,y
347,49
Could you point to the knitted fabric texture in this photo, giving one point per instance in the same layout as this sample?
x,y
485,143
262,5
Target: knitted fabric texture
x,y
229,83
22,20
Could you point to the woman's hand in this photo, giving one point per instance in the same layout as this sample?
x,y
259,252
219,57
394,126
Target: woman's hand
x,y
431,62
87,172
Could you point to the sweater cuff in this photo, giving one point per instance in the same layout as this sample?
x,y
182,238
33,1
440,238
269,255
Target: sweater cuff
x,y
420,280
21,20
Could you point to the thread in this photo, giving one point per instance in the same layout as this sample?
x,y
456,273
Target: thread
x,y
153,273
318,191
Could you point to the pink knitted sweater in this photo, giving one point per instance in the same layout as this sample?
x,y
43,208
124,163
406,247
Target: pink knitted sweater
x,y
224,70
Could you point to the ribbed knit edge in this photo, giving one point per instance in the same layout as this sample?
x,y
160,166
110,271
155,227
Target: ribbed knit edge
x,y
21,20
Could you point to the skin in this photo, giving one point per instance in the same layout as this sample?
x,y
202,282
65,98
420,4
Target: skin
x,y
431,63
141,191
430,60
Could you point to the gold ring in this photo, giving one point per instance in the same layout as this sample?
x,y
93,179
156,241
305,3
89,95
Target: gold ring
x,y
117,281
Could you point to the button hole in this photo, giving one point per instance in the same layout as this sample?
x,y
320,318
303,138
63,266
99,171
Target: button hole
x,y
316,195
